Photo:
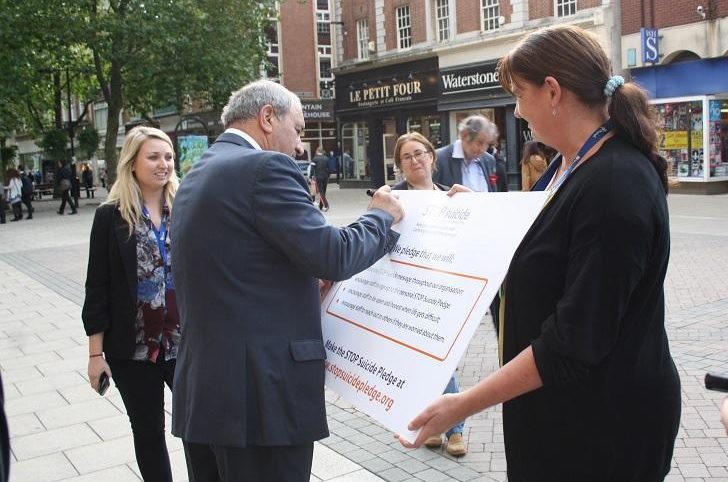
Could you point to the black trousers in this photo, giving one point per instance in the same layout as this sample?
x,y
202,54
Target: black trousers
x,y
141,385
29,206
214,463
66,197
322,183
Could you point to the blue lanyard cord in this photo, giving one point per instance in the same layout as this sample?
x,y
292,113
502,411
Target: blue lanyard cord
x,y
160,235
593,139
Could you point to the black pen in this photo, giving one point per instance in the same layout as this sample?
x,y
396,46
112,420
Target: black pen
x,y
370,192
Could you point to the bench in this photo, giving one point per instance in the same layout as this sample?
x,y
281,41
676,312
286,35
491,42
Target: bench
x,y
40,189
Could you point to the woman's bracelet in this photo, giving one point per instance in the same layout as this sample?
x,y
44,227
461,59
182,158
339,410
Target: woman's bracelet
x,y
95,355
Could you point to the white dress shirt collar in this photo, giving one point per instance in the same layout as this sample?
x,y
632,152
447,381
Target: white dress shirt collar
x,y
245,136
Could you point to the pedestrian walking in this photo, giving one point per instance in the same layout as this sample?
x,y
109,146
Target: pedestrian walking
x,y
87,176
14,190
27,190
64,178
587,382
320,164
130,311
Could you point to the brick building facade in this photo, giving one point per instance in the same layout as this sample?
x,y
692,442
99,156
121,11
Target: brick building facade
x,y
432,47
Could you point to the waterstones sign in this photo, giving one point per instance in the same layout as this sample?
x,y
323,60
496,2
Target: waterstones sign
x,y
481,78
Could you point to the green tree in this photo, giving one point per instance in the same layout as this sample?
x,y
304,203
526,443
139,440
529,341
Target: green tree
x,y
143,54
54,143
88,141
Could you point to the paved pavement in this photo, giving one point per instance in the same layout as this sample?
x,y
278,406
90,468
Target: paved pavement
x,y
62,430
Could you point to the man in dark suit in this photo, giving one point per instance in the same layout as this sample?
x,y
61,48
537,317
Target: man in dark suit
x,y
466,161
249,250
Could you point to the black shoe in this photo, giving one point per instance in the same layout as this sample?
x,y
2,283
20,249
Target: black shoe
x,y
15,219
60,212
73,212
29,217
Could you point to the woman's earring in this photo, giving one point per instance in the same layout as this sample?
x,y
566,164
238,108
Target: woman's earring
x,y
553,112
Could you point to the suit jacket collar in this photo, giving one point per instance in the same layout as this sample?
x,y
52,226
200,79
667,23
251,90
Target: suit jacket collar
x,y
233,139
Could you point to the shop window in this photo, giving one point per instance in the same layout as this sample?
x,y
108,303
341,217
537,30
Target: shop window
x,y
354,142
404,27
565,8
490,12
718,137
681,142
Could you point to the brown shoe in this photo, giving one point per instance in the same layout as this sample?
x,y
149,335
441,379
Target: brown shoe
x,y
433,441
456,445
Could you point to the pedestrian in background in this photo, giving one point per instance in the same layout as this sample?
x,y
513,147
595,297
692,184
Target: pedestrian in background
x,y
14,190
501,183
466,161
130,311
64,178
249,251
320,164
87,176
587,382
533,164
416,159
27,190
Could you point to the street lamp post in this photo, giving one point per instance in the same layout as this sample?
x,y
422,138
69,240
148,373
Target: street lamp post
x,y
70,121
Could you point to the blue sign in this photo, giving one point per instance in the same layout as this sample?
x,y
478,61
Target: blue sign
x,y
650,45
714,111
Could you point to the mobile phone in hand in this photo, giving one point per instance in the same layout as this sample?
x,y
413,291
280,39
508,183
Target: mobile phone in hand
x,y
103,383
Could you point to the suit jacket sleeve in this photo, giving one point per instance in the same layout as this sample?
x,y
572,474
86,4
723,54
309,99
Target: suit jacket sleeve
x,y
96,313
286,217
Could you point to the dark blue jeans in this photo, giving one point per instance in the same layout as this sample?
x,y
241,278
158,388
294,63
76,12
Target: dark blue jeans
x,y
141,384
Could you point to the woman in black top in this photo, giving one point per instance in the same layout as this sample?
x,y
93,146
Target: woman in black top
x,y
589,388
130,311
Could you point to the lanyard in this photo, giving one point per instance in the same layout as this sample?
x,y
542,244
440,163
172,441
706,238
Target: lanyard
x,y
593,139
160,235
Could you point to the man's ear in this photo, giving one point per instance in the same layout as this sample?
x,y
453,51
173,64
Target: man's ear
x,y
265,118
554,89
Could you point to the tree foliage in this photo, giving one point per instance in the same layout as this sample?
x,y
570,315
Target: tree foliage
x,y
134,54
88,141
54,143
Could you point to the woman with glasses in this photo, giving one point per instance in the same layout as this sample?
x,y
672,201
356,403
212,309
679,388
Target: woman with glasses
x,y
415,157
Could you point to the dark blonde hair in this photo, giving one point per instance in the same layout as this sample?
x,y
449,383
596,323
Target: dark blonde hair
x,y
416,137
126,191
577,61
531,148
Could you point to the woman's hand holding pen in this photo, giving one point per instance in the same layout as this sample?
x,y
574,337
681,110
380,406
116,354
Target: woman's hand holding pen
x,y
384,199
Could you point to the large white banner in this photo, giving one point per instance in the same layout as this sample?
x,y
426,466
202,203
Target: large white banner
x,y
395,333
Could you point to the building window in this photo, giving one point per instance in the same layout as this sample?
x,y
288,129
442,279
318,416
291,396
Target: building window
x,y
404,27
323,20
564,8
101,115
322,4
490,11
442,15
271,68
362,39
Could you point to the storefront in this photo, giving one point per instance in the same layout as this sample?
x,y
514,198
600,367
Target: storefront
x,y
320,126
374,107
474,89
691,99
